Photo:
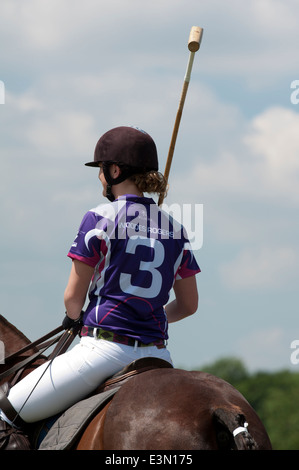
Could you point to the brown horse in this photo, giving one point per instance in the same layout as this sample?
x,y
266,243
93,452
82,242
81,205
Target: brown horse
x,y
166,409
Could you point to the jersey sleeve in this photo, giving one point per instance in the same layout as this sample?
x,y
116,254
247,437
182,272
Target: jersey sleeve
x,y
188,266
87,244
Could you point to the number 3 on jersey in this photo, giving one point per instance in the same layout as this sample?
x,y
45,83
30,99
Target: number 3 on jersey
x,y
125,280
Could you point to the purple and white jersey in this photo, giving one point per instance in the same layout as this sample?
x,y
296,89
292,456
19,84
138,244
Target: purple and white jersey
x,y
137,251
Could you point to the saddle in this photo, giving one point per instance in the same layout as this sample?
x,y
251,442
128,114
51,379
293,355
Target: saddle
x,y
136,367
67,428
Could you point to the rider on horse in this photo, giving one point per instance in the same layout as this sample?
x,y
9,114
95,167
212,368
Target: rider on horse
x,y
127,256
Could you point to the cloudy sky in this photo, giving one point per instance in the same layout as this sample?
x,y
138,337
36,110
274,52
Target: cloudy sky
x,y
73,70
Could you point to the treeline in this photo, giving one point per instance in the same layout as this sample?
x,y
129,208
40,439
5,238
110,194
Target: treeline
x,y
274,396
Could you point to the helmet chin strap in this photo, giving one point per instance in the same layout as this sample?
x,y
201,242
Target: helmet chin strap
x,y
125,173
109,195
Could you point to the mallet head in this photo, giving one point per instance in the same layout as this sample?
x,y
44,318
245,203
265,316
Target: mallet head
x,y
195,38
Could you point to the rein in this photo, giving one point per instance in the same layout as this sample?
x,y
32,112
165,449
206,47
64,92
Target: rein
x,y
63,342
35,343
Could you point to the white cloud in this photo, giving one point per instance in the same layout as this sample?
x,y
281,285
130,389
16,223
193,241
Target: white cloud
x,y
63,135
251,195
46,24
255,36
274,138
273,17
268,348
261,164
25,103
261,267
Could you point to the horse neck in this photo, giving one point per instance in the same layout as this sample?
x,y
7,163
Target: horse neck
x,y
11,337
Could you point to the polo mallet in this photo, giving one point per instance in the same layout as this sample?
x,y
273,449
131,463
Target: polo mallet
x,y
193,46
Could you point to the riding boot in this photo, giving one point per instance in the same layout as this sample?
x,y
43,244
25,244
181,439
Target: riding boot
x,y
12,438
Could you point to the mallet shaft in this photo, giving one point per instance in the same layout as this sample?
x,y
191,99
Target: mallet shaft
x,y
193,45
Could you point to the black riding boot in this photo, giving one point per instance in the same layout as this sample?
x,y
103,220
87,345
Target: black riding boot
x,y
12,438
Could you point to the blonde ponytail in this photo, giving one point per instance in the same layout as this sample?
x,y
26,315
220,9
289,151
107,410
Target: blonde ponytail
x,y
150,182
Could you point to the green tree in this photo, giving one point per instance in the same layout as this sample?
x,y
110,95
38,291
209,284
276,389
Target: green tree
x,y
273,396
230,369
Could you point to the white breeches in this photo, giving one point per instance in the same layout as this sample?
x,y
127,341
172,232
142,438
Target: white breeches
x,y
73,375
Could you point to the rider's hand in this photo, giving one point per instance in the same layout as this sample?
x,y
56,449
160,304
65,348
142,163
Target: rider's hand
x,y
68,323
